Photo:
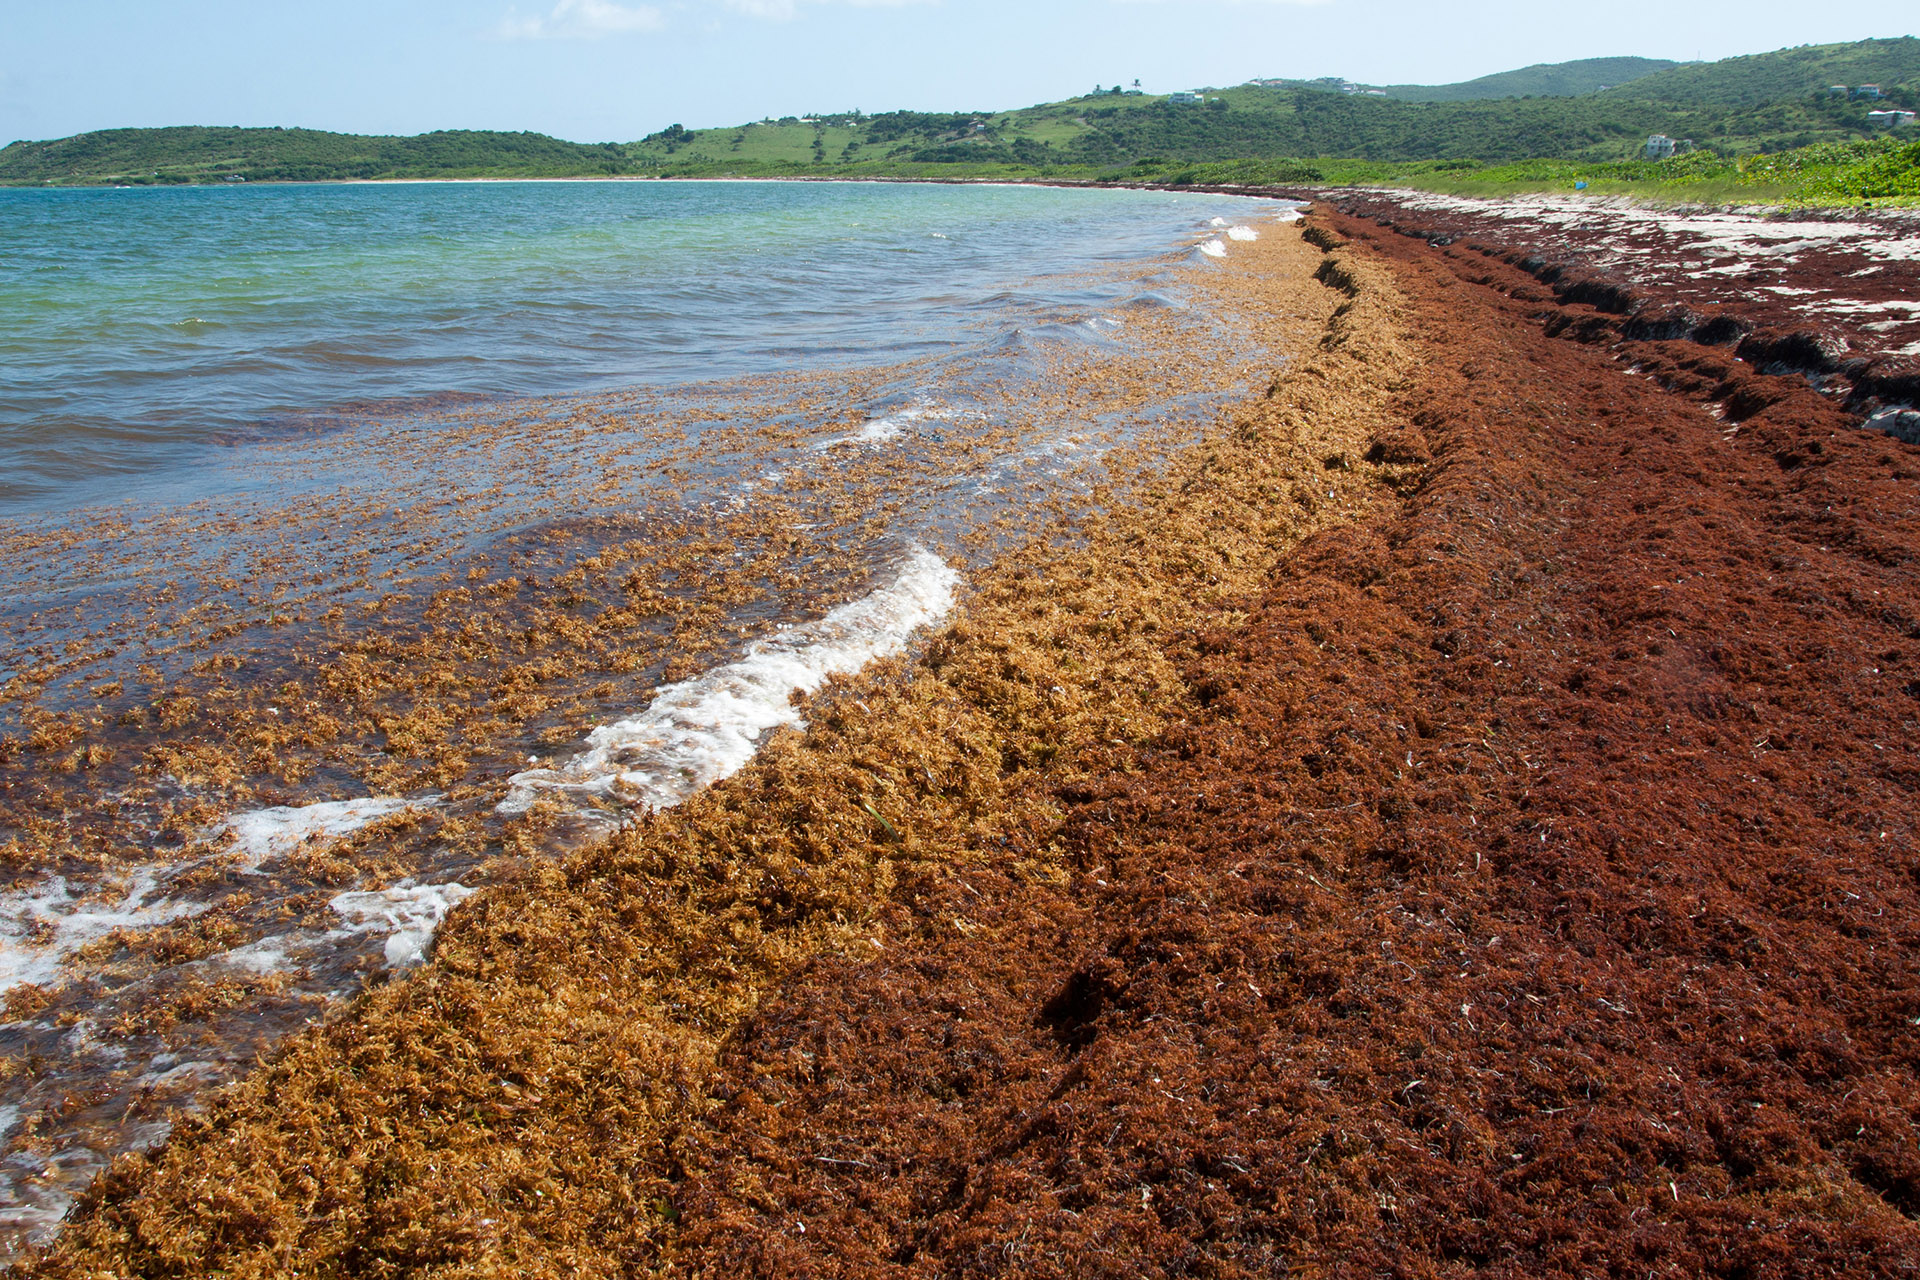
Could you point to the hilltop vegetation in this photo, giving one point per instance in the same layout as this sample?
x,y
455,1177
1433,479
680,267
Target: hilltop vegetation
x,y
1757,79
1479,132
1543,79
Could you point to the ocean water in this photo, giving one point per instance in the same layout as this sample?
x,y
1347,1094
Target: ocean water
x,y
257,443
140,328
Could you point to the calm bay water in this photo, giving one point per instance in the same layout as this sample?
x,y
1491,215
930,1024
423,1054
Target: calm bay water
x,y
140,327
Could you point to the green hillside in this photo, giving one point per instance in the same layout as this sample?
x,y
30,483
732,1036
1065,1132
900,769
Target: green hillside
x,y
1724,108
1737,83
1112,130
1543,79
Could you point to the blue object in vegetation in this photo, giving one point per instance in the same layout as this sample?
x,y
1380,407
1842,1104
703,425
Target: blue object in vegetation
x,y
1579,186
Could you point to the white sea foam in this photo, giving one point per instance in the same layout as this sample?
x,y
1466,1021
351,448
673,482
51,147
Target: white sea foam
x,y
701,730
1214,248
1216,222
889,426
271,954
1242,233
184,1073
877,430
407,913
40,927
266,833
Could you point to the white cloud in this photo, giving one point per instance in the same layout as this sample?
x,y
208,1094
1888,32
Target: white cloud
x,y
582,20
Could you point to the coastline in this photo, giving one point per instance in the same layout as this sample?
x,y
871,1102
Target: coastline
x,y
1385,879
1897,208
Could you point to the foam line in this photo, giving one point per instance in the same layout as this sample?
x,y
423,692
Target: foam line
x,y
407,913
888,427
699,731
267,833
42,926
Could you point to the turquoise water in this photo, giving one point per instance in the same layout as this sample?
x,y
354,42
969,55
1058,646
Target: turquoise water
x,y
140,328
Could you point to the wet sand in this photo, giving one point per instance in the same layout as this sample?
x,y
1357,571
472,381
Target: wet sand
x,y
1453,818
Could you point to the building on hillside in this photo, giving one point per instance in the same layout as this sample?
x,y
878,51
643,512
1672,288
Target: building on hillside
x,y
1889,119
1837,91
1660,147
1867,91
1183,97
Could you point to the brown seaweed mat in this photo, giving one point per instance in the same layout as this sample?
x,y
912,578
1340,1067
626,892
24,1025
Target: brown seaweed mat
x,y
1458,821
1536,896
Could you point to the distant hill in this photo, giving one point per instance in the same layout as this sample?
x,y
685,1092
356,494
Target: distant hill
x,y
1543,79
194,154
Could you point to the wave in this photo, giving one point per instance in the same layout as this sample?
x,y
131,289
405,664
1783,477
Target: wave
x,y
41,927
260,834
701,730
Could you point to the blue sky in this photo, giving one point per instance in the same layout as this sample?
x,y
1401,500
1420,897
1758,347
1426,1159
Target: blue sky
x,y
613,70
